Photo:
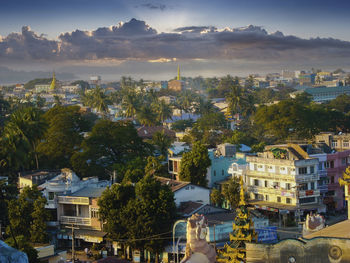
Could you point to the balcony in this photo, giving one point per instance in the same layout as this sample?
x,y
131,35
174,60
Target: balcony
x,y
82,221
309,193
73,200
307,178
271,191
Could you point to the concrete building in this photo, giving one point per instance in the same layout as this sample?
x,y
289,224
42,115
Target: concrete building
x,y
283,180
221,159
185,191
39,177
80,209
323,94
338,142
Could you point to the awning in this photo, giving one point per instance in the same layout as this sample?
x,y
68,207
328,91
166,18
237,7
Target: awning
x,y
93,236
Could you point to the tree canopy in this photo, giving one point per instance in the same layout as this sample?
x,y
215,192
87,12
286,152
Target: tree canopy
x,y
194,165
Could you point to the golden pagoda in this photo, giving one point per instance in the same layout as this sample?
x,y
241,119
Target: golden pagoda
x,y
242,232
178,73
345,181
53,82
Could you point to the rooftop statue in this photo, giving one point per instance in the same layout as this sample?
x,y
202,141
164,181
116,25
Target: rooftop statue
x,y
197,248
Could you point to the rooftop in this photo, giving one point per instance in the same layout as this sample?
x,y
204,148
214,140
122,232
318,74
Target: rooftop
x,y
93,192
174,184
339,230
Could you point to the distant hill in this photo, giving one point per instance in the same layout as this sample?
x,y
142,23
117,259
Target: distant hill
x,y
10,76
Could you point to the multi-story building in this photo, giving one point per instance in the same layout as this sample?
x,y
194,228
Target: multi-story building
x,y
221,159
323,94
80,210
37,177
283,179
338,142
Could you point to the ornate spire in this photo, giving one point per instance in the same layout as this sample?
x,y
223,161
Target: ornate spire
x,y
178,72
241,194
345,181
53,83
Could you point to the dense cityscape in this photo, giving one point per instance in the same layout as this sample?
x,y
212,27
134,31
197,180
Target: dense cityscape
x,y
129,144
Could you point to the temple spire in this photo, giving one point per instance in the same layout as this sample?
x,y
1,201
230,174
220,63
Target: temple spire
x,y
241,194
178,72
53,83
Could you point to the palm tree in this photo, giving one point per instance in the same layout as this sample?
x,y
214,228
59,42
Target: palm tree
x,y
163,110
204,106
23,132
235,99
130,103
162,142
147,116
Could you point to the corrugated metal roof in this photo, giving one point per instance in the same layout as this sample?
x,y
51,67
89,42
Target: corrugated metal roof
x,y
89,192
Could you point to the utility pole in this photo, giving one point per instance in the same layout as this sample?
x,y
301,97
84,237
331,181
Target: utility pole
x,y
73,228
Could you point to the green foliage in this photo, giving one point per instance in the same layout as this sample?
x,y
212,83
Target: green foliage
x,y
109,143
211,121
341,103
149,205
194,165
155,167
181,125
7,193
97,99
64,135
294,119
21,136
216,197
27,215
162,142
231,190
21,243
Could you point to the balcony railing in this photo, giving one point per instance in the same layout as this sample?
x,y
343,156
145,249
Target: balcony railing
x,y
83,221
73,200
309,193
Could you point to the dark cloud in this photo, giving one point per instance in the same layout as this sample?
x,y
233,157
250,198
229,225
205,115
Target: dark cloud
x,y
135,40
153,6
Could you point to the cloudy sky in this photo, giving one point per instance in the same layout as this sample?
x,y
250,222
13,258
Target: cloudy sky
x,y
150,38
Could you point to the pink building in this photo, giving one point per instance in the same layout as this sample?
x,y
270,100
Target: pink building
x,y
335,165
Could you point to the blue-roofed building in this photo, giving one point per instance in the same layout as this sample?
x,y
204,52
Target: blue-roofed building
x,y
323,94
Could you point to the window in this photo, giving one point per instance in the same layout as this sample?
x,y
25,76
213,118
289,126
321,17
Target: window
x,y
266,197
303,187
332,179
260,166
334,143
288,186
302,170
282,168
307,200
330,164
214,173
94,213
343,161
312,169
320,166
346,143
278,199
288,200
276,185
256,182
265,183
255,167
222,172
51,195
312,185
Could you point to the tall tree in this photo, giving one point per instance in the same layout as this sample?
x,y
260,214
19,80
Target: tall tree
x,y
230,191
194,165
162,142
108,144
163,110
28,126
64,135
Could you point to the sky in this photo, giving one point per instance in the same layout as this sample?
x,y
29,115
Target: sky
x,y
149,38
